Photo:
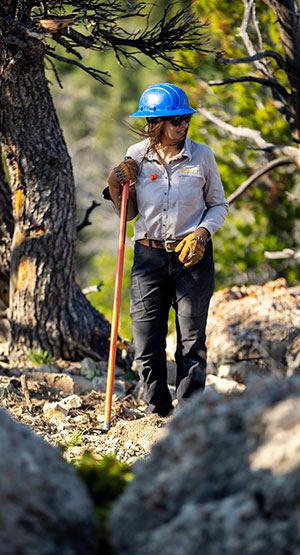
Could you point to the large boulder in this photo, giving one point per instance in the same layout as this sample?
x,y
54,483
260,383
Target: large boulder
x,y
225,479
254,329
44,507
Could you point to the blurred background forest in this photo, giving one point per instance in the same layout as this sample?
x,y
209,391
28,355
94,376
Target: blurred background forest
x,y
94,118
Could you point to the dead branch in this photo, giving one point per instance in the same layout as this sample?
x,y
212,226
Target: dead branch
x,y
285,253
25,391
273,83
93,288
293,198
251,134
249,12
95,73
85,221
249,59
254,177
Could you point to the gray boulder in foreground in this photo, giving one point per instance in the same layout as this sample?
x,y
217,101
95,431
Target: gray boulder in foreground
x,y
225,480
44,507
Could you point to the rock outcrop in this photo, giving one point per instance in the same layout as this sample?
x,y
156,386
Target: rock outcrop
x,y
225,479
254,329
44,507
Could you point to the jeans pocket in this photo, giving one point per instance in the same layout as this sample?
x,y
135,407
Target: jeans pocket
x,y
137,307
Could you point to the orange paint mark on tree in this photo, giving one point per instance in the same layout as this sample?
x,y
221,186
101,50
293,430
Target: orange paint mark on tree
x,y
19,202
26,277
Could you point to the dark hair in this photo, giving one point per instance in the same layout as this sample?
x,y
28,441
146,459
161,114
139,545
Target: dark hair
x,y
153,131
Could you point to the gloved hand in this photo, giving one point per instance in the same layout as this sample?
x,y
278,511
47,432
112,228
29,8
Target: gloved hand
x,y
126,171
191,249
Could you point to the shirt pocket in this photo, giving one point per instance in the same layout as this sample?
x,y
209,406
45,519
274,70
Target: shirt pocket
x,y
190,186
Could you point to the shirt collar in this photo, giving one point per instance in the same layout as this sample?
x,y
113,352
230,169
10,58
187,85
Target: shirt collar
x,y
185,152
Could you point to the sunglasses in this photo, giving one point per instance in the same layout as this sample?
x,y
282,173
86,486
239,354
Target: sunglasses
x,y
174,120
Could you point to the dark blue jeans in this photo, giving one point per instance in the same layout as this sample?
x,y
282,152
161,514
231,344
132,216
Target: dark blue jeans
x,y
158,281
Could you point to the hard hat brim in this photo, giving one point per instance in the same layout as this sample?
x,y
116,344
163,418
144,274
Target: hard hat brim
x,y
161,114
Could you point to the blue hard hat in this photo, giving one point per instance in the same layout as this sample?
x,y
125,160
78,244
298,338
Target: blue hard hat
x,y
163,99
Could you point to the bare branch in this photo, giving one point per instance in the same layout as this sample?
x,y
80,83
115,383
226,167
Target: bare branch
x,y
85,222
93,288
251,134
270,166
273,83
256,26
243,33
55,71
293,198
96,73
249,59
285,253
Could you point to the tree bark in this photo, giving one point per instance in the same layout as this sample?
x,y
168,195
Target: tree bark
x,y
6,232
288,16
47,307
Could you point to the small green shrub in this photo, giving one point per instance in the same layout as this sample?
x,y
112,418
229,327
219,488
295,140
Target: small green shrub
x,y
38,357
75,440
105,479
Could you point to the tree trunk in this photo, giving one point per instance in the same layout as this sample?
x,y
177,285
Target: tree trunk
x,y
47,307
288,16
6,232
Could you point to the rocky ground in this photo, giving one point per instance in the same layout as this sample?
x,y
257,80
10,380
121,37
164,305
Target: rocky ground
x,y
65,408
64,403
251,331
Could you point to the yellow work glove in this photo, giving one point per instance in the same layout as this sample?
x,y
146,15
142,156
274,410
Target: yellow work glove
x,y
191,249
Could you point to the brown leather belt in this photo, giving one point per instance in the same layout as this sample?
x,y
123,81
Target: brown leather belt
x,y
169,246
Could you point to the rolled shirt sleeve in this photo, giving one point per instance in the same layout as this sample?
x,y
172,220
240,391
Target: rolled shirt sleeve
x,y
214,196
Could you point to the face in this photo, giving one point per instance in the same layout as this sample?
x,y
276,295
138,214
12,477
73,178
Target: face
x,y
174,134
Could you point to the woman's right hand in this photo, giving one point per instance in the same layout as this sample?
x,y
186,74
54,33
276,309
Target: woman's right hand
x,y
125,171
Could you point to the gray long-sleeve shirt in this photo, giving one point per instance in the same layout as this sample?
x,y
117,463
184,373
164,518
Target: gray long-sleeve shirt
x,y
178,199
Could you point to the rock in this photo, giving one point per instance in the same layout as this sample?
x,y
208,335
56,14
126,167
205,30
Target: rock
x,y
239,371
46,368
71,402
63,384
54,410
44,506
101,367
223,384
81,384
225,480
257,325
88,368
99,384
120,389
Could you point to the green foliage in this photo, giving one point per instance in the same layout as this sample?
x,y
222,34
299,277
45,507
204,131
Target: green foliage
x,y
96,125
38,357
105,479
263,218
75,440
103,267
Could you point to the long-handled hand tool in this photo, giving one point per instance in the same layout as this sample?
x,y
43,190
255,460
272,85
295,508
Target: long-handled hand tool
x,y
116,309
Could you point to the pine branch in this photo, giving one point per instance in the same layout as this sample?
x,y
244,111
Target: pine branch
x,y
181,31
96,73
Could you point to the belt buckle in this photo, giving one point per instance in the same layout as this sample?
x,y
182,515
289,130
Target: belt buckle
x,y
167,248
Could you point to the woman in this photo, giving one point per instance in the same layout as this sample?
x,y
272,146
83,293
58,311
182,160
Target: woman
x,y
177,193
